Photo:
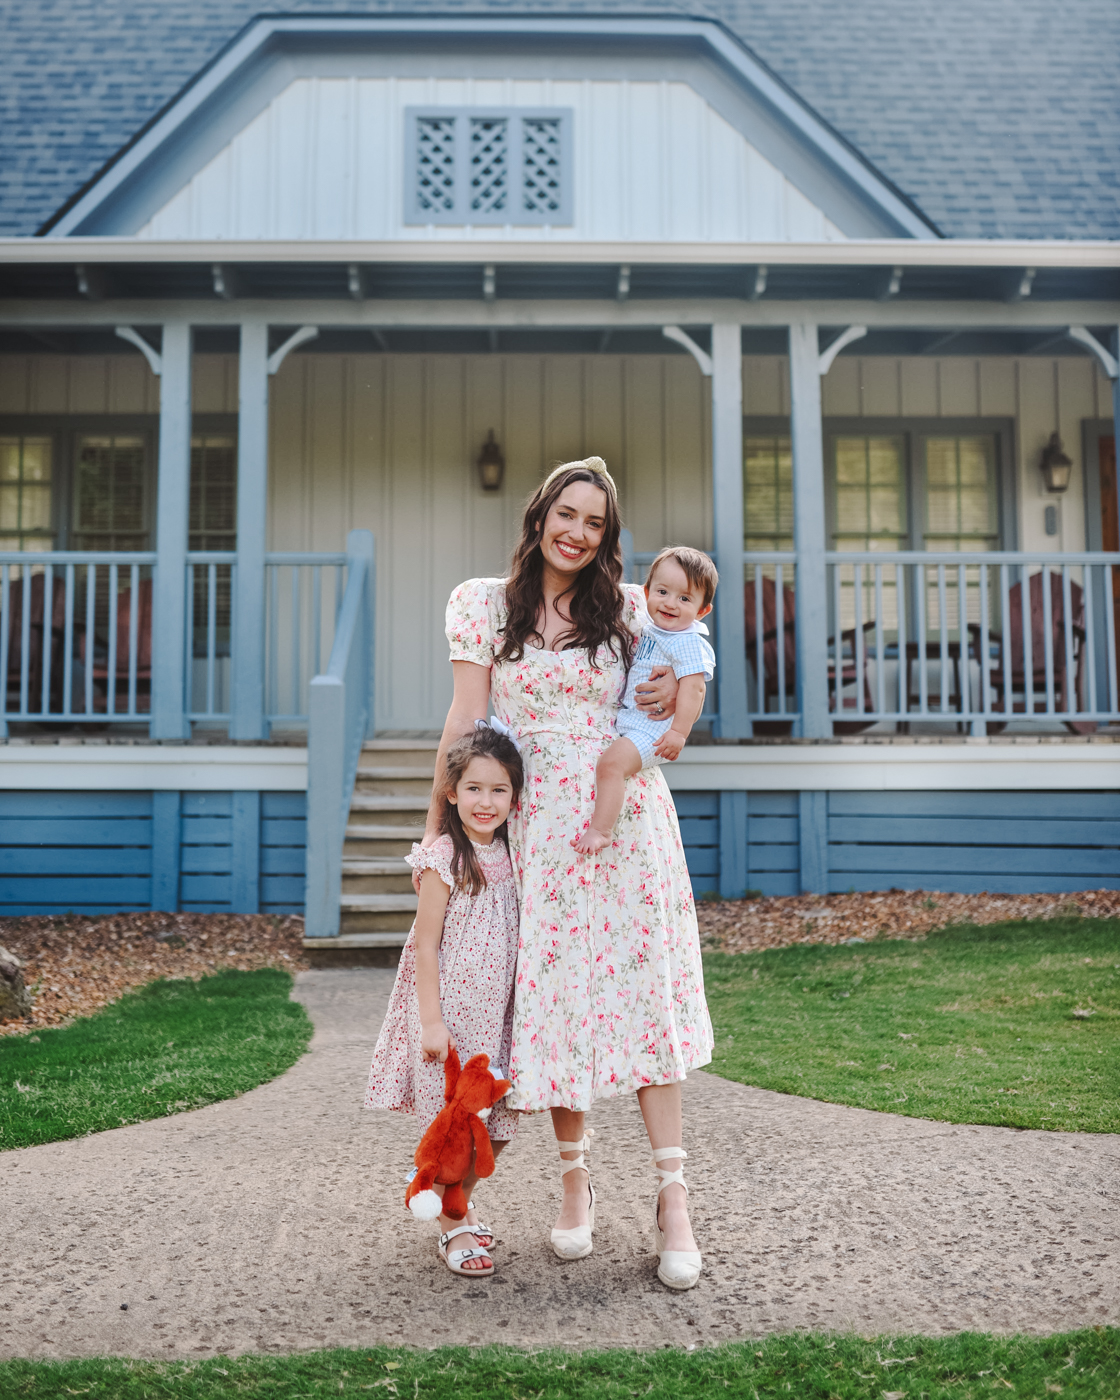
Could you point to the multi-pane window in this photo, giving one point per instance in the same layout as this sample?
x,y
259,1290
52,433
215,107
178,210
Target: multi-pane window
x,y
493,166
25,492
767,493
110,492
213,528
870,494
961,509
213,523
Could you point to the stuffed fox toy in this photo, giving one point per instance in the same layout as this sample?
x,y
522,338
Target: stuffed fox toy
x,y
458,1133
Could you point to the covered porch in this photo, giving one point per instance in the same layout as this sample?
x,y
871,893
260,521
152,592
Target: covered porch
x,y
854,430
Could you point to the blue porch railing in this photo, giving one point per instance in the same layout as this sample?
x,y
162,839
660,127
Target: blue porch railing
x,y
76,631
972,640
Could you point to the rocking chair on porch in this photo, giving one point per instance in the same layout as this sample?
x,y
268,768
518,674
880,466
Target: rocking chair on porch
x,y
1068,690
851,666
101,674
40,637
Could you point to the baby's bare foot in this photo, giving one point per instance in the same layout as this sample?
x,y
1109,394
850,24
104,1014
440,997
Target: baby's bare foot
x,y
591,842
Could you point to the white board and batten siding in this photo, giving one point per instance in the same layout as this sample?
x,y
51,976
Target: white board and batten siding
x,y
653,161
388,443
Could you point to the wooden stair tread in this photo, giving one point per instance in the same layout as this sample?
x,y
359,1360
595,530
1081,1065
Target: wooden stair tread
x,y
400,746
389,802
357,940
391,772
380,903
375,865
373,832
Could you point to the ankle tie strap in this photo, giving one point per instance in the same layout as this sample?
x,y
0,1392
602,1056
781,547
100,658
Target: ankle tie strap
x,y
669,1178
577,1163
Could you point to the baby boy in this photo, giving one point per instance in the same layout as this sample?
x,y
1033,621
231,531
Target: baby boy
x,y
680,586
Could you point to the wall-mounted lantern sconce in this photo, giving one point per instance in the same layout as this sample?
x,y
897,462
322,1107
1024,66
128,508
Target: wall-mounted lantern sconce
x,y
1056,466
491,464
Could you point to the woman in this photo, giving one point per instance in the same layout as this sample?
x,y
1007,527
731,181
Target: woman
x,y
609,995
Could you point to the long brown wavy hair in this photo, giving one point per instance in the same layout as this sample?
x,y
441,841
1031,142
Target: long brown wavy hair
x,y
483,743
595,600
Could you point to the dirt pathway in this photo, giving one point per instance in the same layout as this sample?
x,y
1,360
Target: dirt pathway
x,y
253,1225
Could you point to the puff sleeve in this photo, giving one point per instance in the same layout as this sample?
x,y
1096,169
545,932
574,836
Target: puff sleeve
x,y
469,626
435,857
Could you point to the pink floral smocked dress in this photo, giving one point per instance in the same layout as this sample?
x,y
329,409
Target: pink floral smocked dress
x,y
610,988
477,958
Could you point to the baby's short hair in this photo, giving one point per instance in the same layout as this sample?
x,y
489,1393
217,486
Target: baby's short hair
x,y
698,569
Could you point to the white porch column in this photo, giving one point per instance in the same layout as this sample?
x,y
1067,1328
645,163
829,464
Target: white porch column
x,y
809,530
169,600
247,720
727,503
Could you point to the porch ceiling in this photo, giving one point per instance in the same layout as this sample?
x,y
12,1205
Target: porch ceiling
x,y
138,277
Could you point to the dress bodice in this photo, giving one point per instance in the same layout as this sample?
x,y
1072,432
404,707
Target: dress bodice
x,y
546,695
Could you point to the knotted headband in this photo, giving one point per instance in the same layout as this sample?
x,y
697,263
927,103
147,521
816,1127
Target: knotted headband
x,y
589,464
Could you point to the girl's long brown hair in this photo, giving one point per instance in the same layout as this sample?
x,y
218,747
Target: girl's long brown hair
x,y
595,599
483,743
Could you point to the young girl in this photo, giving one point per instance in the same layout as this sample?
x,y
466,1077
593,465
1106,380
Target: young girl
x,y
454,987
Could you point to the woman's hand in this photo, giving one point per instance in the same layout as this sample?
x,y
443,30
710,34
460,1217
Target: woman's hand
x,y
657,697
436,1042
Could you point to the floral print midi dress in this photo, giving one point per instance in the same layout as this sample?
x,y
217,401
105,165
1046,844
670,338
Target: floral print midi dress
x,y
609,992
477,958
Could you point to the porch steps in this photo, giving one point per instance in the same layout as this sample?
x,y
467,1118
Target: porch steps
x,y
387,810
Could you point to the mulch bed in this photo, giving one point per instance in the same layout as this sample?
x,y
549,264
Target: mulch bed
x,y
751,925
76,965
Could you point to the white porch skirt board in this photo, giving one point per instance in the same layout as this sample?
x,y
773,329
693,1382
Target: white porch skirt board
x,y
970,766
152,768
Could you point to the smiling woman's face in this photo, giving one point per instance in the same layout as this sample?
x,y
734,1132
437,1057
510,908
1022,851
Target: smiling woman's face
x,y
573,528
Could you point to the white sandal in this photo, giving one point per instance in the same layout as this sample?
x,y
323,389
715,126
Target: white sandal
x,y
676,1268
456,1258
481,1229
576,1243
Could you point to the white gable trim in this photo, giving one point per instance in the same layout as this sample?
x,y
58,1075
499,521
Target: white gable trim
x,y
787,114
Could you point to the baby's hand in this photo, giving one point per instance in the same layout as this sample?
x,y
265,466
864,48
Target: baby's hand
x,y
436,1042
669,745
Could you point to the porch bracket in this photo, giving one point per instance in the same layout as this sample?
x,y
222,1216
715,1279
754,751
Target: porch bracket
x,y
843,339
1108,361
153,357
703,359
300,337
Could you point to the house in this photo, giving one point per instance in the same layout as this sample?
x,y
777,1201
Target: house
x,y
295,309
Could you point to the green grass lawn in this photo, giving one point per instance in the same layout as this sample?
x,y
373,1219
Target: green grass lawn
x,y
805,1366
1015,1024
169,1047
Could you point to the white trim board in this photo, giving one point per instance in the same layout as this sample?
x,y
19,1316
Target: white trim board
x,y
152,768
879,252
963,767
975,766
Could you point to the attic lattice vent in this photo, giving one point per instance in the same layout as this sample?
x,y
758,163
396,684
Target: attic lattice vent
x,y
504,166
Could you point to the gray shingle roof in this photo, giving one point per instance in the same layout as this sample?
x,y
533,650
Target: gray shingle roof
x,y
998,118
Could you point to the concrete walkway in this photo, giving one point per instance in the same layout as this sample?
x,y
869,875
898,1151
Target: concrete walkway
x,y
274,1222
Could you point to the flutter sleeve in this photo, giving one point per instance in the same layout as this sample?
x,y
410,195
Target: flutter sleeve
x,y
470,631
634,614
435,857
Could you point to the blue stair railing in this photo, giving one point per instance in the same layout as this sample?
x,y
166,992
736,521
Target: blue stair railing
x,y
340,719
